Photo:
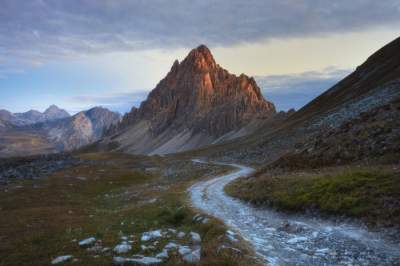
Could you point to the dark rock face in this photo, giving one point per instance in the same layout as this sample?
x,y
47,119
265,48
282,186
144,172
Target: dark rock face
x,y
199,95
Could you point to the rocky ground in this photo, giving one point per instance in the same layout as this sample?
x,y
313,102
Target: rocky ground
x,y
372,135
35,167
114,209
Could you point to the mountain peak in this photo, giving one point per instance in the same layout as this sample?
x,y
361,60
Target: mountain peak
x,y
53,113
200,58
52,108
199,95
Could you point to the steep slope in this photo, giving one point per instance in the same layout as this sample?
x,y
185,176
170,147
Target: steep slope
x,y
380,69
194,105
80,129
373,85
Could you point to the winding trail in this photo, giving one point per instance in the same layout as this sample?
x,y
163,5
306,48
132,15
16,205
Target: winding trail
x,y
281,239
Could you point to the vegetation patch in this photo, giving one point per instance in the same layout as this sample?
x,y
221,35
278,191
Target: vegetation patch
x,y
371,194
114,197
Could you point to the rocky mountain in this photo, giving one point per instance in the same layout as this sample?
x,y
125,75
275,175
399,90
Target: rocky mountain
x,y
81,129
32,117
64,133
197,103
54,113
376,75
355,120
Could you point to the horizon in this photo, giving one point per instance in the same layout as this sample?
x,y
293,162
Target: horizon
x,y
76,59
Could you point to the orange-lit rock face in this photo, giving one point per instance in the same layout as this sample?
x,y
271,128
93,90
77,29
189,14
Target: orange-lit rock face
x,y
198,94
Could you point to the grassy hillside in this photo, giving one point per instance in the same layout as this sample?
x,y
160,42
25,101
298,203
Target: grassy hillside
x,y
372,193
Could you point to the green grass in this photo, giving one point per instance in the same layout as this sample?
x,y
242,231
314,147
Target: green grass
x,y
39,221
370,194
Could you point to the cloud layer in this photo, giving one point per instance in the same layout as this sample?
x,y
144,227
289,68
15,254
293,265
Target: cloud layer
x,y
36,30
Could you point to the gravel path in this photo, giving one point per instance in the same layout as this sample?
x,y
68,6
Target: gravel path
x,y
281,239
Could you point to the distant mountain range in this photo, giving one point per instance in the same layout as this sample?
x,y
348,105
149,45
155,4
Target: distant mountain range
x,y
32,117
54,130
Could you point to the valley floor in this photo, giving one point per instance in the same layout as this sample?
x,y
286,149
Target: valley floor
x,y
115,199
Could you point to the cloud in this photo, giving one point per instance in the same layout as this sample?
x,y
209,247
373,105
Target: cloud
x,y
296,90
43,29
120,102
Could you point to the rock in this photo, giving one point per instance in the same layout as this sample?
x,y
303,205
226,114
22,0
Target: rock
x,y
173,231
87,241
61,259
97,248
195,237
171,245
122,248
140,260
163,254
192,256
198,96
147,236
183,250
205,220
181,234
295,240
224,247
231,235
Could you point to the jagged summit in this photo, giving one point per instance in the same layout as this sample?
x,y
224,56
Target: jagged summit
x,y
200,97
200,58
54,113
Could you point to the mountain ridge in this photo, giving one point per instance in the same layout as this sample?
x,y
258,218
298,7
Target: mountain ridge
x,y
196,99
33,116
57,134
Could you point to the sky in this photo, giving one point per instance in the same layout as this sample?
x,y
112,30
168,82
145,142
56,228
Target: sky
x,y
81,54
